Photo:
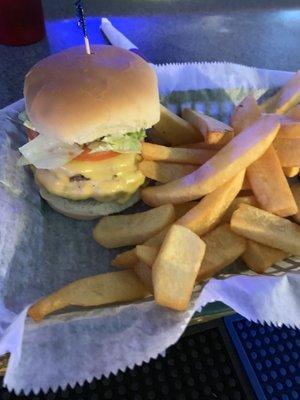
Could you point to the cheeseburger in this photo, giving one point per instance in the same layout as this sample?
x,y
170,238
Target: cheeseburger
x,y
86,117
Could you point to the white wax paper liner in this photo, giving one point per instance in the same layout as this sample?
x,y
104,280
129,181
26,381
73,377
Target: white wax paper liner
x,y
75,347
206,78
115,36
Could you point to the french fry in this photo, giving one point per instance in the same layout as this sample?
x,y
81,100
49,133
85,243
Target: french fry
x,y
289,128
265,228
146,254
288,151
270,186
294,113
269,105
97,290
296,194
165,172
259,257
131,229
246,184
156,137
211,129
155,152
203,146
158,238
144,272
235,205
176,267
182,209
289,95
126,259
290,172
175,130
245,114
236,156
208,213
222,248
285,99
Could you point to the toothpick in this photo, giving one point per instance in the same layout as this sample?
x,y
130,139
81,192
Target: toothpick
x,y
87,45
81,23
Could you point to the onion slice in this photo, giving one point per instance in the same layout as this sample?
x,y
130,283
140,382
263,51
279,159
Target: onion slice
x,y
46,153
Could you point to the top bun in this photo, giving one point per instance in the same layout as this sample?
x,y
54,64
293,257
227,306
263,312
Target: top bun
x,y
77,98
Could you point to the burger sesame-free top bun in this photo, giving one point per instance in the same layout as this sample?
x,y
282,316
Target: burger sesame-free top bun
x,y
78,98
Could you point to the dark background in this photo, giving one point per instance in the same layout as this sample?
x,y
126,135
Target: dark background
x,y
259,33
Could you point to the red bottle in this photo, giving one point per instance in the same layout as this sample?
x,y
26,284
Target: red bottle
x,y
21,22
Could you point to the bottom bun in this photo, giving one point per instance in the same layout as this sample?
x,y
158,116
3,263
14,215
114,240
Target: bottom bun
x,y
86,209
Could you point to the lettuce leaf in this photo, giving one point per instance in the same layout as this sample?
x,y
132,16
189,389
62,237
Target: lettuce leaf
x,y
128,143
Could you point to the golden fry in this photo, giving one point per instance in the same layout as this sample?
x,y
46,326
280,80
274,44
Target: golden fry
x,y
144,272
209,211
131,229
165,172
146,254
156,137
155,152
294,113
285,99
288,151
289,95
270,186
222,248
235,205
176,267
175,130
158,238
97,290
126,259
290,172
269,105
259,257
182,209
203,146
266,228
245,114
296,194
289,128
212,130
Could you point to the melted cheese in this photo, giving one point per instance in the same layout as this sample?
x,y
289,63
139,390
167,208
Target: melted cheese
x,y
115,179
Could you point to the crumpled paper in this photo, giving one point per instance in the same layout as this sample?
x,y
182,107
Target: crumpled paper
x,y
115,36
42,251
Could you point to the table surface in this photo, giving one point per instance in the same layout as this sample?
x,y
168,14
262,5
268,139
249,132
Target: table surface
x,y
259,33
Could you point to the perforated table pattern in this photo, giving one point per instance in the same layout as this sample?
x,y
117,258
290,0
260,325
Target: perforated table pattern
x,y
271,357
200,366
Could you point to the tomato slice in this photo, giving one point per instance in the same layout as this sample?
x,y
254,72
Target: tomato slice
x,y
86,155
31,134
